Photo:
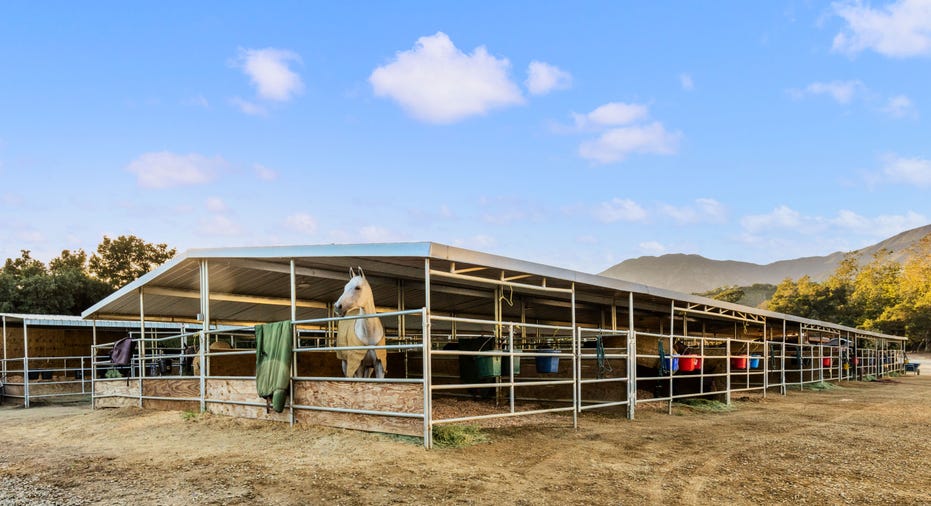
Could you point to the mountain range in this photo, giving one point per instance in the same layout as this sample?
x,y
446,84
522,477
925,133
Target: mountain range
x,y
697,274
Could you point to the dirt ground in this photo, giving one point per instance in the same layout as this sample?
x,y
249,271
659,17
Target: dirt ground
x,y
862,443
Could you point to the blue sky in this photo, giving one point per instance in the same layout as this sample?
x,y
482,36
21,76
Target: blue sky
x,y
575,134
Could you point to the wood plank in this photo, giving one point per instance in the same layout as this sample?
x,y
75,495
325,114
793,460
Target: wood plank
x,y
170,387
397,397
117,387
241,391
116,402
164,405
369,423
64,388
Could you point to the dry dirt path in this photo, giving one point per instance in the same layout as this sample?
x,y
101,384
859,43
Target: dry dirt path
x,y
863,443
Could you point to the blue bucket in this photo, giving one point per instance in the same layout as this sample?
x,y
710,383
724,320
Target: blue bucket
x,y
755,361
672,363
547,364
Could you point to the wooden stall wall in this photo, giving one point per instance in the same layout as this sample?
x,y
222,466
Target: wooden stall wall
x,y
392,397
116,393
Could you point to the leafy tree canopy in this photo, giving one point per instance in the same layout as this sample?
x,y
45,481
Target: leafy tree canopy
x,y
70,283
121,260
882,295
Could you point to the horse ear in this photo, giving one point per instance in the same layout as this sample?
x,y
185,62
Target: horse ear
x,y
352,273
361,272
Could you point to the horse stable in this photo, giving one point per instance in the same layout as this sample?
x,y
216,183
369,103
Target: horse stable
x,y
515,338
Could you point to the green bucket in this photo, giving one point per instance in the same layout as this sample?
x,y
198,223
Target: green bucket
x,y
516,367
488,366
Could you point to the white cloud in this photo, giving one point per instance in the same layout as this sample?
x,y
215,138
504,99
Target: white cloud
x,y
882,226
846,222
914,171
652,248
264,173
685,80
269,71
220,225
247,107
704,210
216,205
616,144
165,170
843,92
437,83
543,78
619,210
301,222
900,29
612,114
782,217
900,106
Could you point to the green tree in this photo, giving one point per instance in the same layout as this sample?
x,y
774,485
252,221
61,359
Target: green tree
x,y
913,308
121,260
726,294
76,289
27,286
808,299
877,290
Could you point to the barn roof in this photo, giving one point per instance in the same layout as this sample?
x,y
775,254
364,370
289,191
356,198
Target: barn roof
x,y
248,284
46,320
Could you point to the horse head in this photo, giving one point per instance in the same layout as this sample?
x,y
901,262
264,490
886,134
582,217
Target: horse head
x,y
357,294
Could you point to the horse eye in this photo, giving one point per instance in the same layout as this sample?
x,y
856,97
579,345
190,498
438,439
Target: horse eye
x,y
358,288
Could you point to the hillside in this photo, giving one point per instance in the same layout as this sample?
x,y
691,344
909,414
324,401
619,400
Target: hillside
x,y
695,273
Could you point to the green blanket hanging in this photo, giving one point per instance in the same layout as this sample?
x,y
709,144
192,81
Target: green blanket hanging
x,y
273,362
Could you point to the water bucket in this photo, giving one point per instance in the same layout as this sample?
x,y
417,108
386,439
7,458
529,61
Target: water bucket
x,y
547,364
689,363
826,361
856,361
755,361
516,366
488,366
672,363
739,362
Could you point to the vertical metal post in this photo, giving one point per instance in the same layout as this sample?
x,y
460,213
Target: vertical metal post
x,y
141,344
94,364
511,357
672,333
821,361
576,370
4,350
727,365
205,327
765,357
613,314
782,360
631,359
25,364
427,359
294,343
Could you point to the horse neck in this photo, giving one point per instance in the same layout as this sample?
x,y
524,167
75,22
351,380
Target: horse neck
x,y
369,329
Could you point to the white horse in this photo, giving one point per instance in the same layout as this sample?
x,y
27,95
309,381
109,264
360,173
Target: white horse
x,y
357,297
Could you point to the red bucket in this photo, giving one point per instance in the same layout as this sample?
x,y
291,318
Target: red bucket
x,y
826,361
856,361
689,363
739,362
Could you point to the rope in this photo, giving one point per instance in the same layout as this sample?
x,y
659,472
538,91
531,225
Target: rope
x,y
663,370
603,366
